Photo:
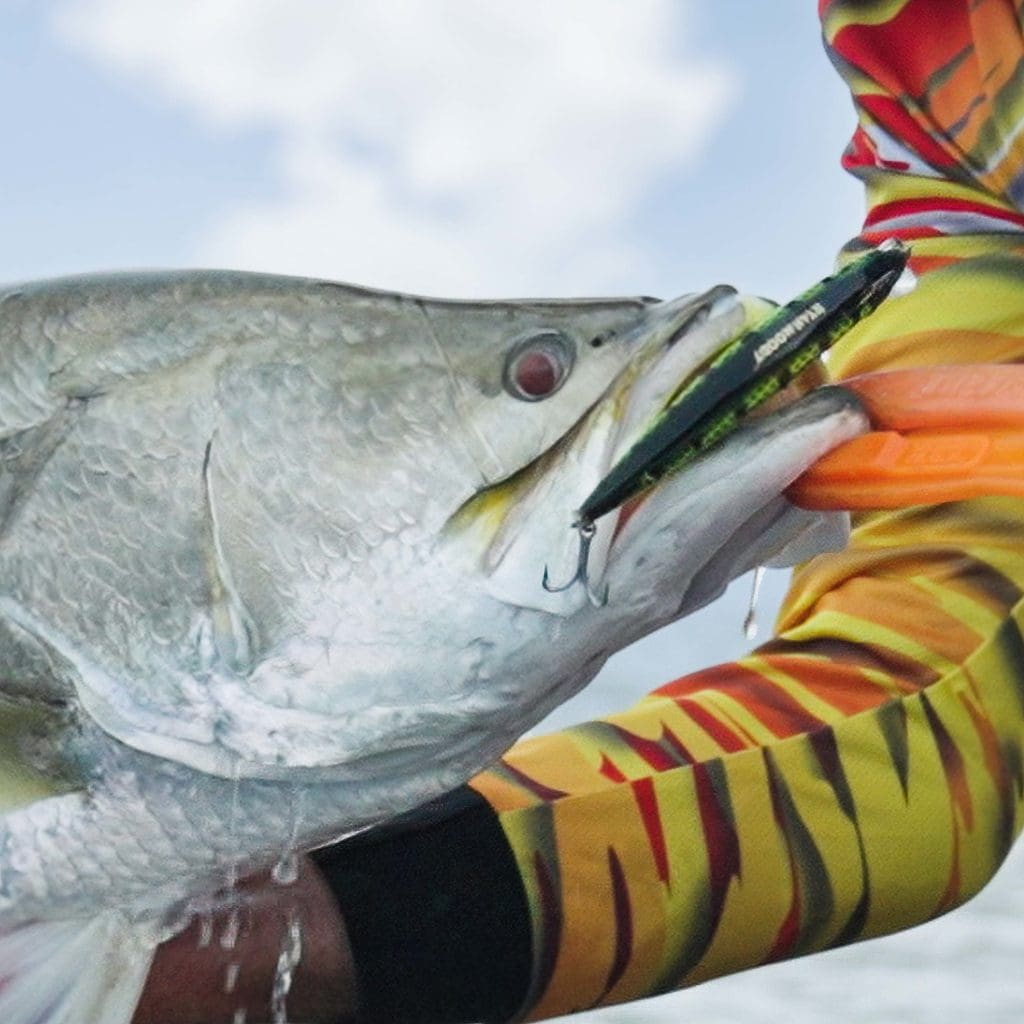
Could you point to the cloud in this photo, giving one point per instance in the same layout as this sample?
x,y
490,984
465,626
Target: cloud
x,y
457,147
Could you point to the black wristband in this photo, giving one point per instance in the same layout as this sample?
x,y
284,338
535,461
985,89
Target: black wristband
x,y
436,915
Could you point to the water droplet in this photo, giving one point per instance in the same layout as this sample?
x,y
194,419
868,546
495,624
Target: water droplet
x,y
229,937
288,959
750,622
231,872
205,929
286,870
231,977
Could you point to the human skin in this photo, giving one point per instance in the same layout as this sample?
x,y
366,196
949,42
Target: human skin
x,y
187,983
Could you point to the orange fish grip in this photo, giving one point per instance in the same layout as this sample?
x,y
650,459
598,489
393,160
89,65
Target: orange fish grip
x,y
942,433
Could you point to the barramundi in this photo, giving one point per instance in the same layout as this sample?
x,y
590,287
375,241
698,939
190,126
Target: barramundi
x,y
272,564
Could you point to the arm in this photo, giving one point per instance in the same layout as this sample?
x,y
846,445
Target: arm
x,y
860,773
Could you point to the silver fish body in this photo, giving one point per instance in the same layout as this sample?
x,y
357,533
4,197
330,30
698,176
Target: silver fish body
x,y
271,555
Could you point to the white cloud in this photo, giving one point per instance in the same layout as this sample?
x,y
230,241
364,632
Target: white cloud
x,y
457,146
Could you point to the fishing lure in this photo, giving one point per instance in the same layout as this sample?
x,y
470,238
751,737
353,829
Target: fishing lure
x,y
756,366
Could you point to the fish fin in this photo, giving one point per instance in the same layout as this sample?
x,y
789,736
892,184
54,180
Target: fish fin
x,y
74,971
31,764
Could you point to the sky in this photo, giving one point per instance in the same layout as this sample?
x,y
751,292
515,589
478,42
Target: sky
x,y
453,148
473,148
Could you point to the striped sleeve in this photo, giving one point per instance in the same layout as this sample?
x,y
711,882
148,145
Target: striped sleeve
x,y
861,772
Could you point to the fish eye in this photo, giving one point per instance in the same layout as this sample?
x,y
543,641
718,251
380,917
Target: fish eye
x,y
538,366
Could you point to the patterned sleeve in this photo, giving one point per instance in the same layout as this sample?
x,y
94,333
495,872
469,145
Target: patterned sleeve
x,y
860,773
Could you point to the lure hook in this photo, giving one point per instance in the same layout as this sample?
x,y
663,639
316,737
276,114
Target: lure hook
x,y
586,529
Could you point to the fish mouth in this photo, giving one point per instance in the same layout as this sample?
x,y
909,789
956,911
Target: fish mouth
x,y
674,358
674,349
750,368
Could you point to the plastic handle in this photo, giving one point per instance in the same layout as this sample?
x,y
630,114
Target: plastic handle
x,y
984,396
892,470
948,433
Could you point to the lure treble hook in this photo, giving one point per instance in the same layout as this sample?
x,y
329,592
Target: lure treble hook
x,y
586,528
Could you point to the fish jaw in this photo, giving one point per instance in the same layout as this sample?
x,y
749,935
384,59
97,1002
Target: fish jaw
x,y
692,534
724,514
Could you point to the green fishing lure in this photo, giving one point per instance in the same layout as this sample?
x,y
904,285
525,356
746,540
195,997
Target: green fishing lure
x,y
748,372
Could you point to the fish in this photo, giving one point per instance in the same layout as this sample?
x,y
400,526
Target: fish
x,y
271,556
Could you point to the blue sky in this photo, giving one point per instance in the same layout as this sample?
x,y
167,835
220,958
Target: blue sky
x,y
125,149
97,172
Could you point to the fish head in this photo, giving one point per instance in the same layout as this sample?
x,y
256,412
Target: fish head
x,y
525,517
392,511
276,528
446,637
